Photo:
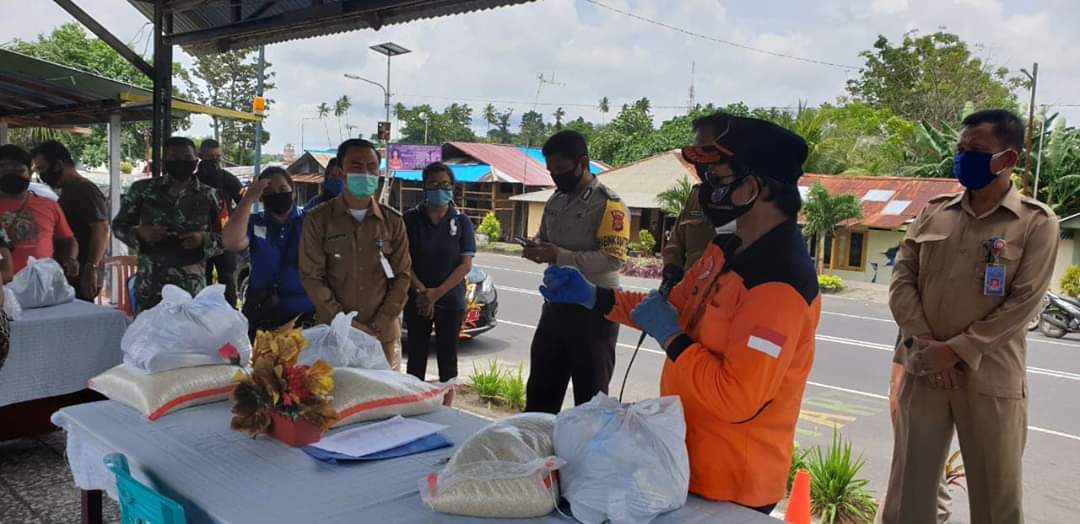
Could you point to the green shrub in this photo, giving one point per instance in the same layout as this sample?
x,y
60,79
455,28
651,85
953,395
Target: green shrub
x,y
836,494
1070,281
126,167
512,389
634,248
830,283
648,242
490,226
487,382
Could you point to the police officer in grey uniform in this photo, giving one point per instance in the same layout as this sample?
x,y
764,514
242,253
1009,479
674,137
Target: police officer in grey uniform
x,y
587,226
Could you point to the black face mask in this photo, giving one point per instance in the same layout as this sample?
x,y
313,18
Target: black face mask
x,y
180,170
278,203
566,181
13,183
717,203
210,172
51,176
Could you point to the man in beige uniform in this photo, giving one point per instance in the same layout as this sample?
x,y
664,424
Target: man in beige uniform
x,y
587,226
354,253
971,272
693,232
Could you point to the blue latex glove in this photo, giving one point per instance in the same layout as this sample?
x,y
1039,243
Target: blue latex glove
x,y
566,285
657,317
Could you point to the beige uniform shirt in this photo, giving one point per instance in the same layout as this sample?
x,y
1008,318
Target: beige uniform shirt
x,y
937,285
691,235
342,270
591,230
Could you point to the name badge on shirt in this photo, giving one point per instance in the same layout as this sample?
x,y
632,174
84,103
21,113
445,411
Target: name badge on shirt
x,y
386,266
260,231
994,282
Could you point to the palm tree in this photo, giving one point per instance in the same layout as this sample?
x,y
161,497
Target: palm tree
x,y
604,107
491,116
559,114
672,201
341,108
824,213
324,110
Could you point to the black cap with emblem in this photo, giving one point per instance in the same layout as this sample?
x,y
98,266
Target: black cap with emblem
x,y
754,147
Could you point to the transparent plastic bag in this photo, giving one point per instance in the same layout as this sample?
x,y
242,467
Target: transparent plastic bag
x,y
11,305
506,470
343,346
41,284
182,331
624,463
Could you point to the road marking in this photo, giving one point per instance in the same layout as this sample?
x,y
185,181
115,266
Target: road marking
x,y
860,317
501,287
820,385
539,274
1054,342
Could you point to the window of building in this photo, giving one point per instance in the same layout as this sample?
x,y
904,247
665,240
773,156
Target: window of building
x,y
856,249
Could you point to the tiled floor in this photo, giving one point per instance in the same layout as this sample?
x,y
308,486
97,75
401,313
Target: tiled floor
x,y
36,484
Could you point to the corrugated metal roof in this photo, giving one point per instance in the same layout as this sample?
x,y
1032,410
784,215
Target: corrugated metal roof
x,y
537,154
637,183
508,162
209,27
886,214
463,173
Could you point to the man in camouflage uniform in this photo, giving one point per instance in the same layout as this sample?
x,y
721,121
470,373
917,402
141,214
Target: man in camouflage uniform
x,y
169,221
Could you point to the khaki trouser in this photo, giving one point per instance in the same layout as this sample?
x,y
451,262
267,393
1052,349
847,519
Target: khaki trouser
x,y
992,433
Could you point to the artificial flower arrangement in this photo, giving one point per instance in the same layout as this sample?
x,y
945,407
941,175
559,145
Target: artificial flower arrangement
x,y
276,395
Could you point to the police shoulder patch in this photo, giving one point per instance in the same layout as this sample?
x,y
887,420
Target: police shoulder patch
x,y
609,193
1046,210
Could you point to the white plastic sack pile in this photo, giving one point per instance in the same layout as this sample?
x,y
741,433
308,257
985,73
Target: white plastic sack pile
x,y
505,470
182,331
626,464
342,345
11,305
41,284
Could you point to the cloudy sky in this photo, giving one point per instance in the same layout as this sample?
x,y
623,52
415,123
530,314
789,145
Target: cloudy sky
x,y
594,52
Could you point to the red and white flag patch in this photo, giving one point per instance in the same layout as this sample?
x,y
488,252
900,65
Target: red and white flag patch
x,y
766,341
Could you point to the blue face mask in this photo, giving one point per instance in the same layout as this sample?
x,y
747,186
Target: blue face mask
x,y
972,169
362,185
438,197
333,186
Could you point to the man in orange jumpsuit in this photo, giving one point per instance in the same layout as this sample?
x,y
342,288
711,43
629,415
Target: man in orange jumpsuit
x,y
739,328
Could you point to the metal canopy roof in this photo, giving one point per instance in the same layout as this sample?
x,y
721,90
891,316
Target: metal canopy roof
x,y
37,93
212,26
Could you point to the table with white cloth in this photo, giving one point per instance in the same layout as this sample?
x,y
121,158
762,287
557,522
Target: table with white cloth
x,y
224,476
55,350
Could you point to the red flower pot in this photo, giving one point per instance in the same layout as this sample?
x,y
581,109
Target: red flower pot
x,y
296,433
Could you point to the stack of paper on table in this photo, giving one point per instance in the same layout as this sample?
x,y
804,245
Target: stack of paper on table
x,y
395,437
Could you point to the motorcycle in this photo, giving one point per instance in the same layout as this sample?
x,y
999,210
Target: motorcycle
x,y
1060,317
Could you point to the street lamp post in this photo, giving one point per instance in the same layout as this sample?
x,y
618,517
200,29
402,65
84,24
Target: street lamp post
x,y
390,50
426,118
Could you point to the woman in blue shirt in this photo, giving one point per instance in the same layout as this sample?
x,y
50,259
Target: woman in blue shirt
x,y
442,246
274,294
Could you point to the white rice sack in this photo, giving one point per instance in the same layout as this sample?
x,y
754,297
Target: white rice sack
x,y
41,284
372,394
11,305
506,470
343,346
162,393
185,331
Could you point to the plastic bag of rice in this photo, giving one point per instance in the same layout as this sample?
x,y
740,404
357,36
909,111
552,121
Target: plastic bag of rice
x,y
506,470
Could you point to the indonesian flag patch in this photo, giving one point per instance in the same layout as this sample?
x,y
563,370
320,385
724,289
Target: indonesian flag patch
x,y
766,341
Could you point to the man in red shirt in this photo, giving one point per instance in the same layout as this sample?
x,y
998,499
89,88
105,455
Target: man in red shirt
x,y
36,225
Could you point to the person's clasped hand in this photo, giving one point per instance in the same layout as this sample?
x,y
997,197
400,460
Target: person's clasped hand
x,y
657,317
566,285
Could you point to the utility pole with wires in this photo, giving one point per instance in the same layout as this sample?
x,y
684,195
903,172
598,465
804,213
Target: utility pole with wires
x,y
541,82
690,104
1033,76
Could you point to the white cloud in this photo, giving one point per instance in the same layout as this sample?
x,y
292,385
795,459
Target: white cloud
x,y
497,54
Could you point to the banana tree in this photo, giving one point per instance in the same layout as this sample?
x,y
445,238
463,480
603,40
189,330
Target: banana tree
x,y
932,151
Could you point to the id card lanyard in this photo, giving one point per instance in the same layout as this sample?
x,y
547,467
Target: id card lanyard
x,y
994,279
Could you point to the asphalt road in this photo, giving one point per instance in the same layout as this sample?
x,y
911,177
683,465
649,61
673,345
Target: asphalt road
x,y
847,389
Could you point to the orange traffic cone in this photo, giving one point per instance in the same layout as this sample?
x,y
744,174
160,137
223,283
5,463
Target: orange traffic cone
x,y
798,508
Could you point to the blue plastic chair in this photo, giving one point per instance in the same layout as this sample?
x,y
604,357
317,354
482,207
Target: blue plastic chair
x,y
138,503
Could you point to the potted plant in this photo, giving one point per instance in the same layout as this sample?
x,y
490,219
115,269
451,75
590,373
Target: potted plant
x,y
276,395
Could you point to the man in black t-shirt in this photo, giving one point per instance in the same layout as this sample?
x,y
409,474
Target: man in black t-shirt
x,y
229,190
84,207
